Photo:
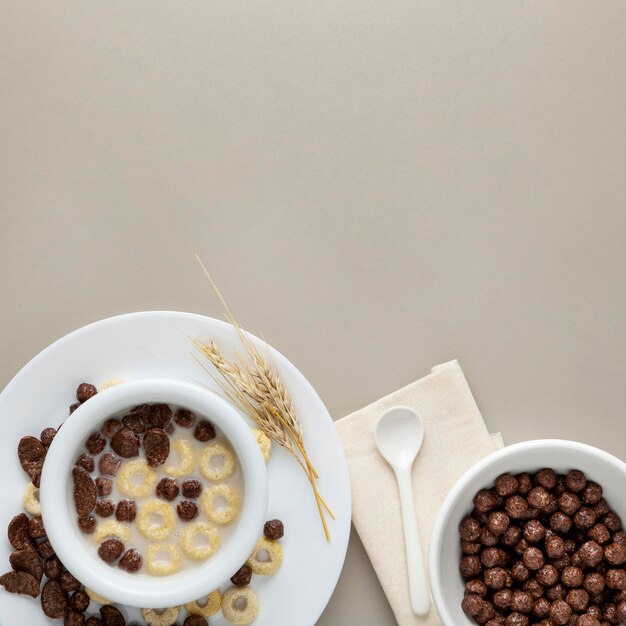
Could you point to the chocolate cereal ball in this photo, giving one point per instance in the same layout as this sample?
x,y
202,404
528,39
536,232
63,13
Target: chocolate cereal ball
x,y
476,587
522,602
126,511
131,561
167,489
538,497
591,553
485,500
85,391
599,533
469,529
516,507
191,489
502,599
572,576
594,583
506,485
554,547
546,478
560,612
569,503
548,575
575,481
541,608
578,599
533,559
534,531
470,566
498,522
495,578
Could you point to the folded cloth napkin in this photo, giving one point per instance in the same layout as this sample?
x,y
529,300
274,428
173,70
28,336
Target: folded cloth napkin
x,y
455,438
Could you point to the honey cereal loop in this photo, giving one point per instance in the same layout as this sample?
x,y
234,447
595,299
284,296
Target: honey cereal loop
x,y
162,617
191,548
31,500
210,452
205,609
156,530
240,605
186,459
136,479
159,566
97,597
225,515
265,443
107,530
274,554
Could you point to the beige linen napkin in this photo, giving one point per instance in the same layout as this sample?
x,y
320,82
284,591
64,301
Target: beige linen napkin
x,y
455,438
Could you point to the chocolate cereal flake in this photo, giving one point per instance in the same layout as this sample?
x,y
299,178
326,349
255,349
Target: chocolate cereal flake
x,y
87,524
18,534
125,443
156,445
47,436
54,600
84,491
21,583
36,528
111,616
27,561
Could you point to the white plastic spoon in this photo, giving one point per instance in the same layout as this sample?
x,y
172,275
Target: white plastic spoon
x,y
399,433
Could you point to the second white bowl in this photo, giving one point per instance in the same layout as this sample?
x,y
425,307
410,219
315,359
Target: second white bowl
x,y
445,552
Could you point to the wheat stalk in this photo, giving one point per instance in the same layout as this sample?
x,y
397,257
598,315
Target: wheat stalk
x,y
257,389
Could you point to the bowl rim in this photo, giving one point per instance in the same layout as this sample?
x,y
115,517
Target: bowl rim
x,y
111,582
436,538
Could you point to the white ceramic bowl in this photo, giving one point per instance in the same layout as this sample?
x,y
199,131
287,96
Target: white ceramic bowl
x,y
59,515
445,552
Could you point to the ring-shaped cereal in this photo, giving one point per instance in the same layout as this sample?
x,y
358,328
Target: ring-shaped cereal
x,y
156,531
208,608
203,529
186,459
31,500
160,567
163,617
231,605
226,469
109,529
96,597
136,469
225,515
265,443
275,553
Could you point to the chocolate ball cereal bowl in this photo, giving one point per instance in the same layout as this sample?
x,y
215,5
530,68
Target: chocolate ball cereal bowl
x,y
104,559
448,586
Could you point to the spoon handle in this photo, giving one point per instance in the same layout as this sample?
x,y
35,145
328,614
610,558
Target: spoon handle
x,y
418,586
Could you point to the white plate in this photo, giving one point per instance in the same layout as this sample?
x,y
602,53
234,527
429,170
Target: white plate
x,y
149,344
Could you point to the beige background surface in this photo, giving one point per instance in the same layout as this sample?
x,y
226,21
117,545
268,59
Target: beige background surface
x,y
377,186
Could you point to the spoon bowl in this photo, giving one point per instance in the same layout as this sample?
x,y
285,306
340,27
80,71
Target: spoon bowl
x,y
399,435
